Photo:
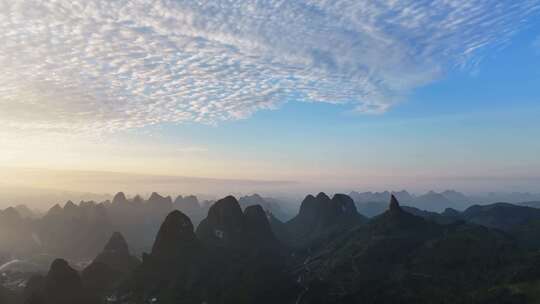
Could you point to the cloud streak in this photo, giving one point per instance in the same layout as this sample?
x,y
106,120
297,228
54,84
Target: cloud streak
x,y
104,66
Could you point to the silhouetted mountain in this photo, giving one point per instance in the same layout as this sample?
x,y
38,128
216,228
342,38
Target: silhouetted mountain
x,y
225,225
320,217
258,227
110,267
532,204
402,258
15,233
25,212
500,215
485,254
177,270
433,201
268,204
440,218
190,206
372,204
120,199
62,285
457,198
233,258
74,231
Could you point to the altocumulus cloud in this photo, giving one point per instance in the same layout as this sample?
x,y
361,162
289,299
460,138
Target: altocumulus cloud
x,y
97,65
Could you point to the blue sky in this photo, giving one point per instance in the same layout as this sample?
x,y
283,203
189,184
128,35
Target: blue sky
x,y
480,124
341,94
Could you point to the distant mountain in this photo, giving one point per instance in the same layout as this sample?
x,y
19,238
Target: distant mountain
x,y
190,206
457,198
433,201
25,212
268,204
372,204
74,231
370,197
15,234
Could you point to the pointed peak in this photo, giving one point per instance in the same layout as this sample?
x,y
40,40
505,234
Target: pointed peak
x,y
119,198
229,198
11,213
56,209
175,232
255,211
156,197
394,204
229,204
69,205
309,197
322,196
60,270
342,197
255,196
117,244
138,199
59,265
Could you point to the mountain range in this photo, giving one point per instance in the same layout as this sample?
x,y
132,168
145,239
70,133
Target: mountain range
x,y
240,252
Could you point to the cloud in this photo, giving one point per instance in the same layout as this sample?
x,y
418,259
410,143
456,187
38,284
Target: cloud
x,y
102,66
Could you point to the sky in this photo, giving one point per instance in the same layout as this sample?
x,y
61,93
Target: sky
x,y
309,94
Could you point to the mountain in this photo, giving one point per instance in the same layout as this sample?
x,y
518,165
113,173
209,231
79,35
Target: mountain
x,y
270,205
110,267
457,198
62,285
502,216
74,231
328,253
225,225
443,218
374,203
190,206
367,197
15,234
320,217
532,204
433,201
25,212
402,258
176,270
120,199
233,257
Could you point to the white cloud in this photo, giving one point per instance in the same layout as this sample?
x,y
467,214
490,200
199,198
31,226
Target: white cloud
x,y
92,65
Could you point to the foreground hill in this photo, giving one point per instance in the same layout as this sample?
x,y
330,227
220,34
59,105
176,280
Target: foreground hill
x,y
233,258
